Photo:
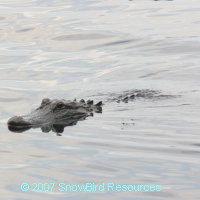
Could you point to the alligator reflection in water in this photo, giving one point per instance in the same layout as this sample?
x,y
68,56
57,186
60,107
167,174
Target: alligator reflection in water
x,y
54,115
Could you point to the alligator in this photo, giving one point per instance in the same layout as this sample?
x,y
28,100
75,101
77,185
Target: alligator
x,y
54,115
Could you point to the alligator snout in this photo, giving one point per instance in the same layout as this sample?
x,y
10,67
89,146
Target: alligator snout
x,y
18,121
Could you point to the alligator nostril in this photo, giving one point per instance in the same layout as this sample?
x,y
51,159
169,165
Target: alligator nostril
x,y
17,121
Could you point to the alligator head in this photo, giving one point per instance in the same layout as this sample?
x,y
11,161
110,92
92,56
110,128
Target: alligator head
x,y
54,115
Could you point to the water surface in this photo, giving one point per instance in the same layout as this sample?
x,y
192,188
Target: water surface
x,y
92,49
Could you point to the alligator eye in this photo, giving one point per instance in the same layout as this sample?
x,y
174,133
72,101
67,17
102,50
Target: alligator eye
x,y
60,105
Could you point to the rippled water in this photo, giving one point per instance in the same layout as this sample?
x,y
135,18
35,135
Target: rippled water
x,y
82,49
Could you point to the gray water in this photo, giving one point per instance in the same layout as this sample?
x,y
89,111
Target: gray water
x,y
92,49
